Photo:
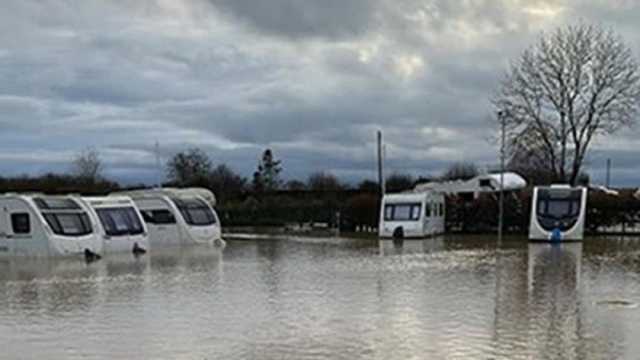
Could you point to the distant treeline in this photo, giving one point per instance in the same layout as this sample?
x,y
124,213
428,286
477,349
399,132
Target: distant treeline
x,y
266,200
58,184
605,213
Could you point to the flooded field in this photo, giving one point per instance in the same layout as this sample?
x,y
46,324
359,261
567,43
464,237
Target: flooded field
x,y
453,297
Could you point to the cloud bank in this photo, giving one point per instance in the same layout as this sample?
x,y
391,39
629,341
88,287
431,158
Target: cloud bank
x,y
314,80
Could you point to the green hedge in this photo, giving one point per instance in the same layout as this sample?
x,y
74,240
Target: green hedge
x,y
463,214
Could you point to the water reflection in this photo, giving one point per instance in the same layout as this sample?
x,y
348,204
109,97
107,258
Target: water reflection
x,y
410,246
448,297
542,311
555,311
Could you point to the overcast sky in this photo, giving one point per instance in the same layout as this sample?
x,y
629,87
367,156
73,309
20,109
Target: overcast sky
x,y
312,79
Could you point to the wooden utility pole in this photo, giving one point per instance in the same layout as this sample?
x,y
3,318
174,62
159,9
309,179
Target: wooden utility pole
x,y
158,166
501,115
380,170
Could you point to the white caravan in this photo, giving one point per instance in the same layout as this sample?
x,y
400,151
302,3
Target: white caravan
x,y
120,224
178,216
412,215
41,225
558,213
488,183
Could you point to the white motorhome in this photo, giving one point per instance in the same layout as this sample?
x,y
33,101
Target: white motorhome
x,y
558,213
412,215
178,216
487,183
119,223
40,225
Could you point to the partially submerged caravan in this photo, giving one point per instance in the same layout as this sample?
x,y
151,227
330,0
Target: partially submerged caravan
x,y
178,216
40,225
119,223
558,213
412,215
421,212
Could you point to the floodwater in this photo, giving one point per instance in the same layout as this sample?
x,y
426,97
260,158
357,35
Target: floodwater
x,y
458,297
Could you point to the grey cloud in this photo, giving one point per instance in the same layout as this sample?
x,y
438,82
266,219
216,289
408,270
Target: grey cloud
x,y
333,19
312,79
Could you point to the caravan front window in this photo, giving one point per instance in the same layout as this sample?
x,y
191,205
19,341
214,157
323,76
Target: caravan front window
x,y
64,216
69,224
120,221
402,212
195,212
558,208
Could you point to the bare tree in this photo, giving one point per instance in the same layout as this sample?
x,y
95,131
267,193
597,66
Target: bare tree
x,y
189,168
87,165
460,171
324,181
531,162
573,85
398,182
226,183
295,185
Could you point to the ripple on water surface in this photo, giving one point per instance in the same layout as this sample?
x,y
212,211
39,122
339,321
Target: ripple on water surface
x,y
453,297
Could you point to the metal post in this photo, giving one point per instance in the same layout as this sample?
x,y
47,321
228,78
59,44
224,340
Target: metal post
x,y
380,173
608,173
158,166
501,116
384,179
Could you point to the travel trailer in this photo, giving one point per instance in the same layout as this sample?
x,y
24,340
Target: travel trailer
x,y
488,183
421,212
558,213
119,223
178,216
412,215
41,225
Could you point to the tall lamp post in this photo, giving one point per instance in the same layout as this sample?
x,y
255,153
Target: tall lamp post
x,y
502,117
380,164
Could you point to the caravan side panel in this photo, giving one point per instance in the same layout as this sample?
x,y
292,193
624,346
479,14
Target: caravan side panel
x,y
22,232
161,220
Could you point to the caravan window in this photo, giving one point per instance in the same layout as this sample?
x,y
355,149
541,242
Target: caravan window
x,y
195,212
20,223
64,216
558,208
120,221
559,204
427,210
158,217
69,224
415,212
441,206
388,212
402,212
56,204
